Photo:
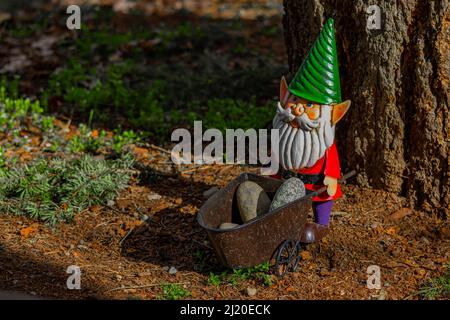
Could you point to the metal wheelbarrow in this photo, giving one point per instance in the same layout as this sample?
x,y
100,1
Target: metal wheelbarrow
x,y
270,237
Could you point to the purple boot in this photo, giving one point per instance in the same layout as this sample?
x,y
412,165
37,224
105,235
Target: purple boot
x,y
322,212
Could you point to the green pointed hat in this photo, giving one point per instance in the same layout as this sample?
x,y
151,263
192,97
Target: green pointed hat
x,y
317,79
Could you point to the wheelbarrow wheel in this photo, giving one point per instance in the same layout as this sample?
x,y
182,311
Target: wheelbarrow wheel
x,y
287,257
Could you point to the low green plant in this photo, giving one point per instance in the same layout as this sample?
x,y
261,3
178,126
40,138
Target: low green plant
x,y
154,96
259,273
85,141
46,123
173,291
54,190
22,32
37,26
17,114
229,113
266,279
437,288
271,30
3,159
11,87
200,259
216,279
122,139
18,108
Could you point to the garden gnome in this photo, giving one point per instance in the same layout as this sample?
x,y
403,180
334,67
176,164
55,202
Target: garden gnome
x,y
307,113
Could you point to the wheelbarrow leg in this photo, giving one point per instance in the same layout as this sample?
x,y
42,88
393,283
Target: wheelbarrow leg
x,y
314,232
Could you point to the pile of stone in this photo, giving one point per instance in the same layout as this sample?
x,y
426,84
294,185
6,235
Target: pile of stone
x,y
254,202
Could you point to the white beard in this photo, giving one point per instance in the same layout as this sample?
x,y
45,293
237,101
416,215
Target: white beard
x,y
302,147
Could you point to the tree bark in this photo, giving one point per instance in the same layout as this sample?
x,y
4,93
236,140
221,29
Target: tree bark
x,y
397,132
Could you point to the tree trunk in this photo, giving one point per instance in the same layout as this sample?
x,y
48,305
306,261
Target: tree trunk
x,y
397,132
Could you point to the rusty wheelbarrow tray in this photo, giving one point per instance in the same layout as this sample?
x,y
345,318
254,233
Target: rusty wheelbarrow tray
x,y
273,235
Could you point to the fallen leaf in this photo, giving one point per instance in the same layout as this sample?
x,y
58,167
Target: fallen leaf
x,y
72,133
325,273
34,129
139,150
401,213
410,263
392,230
95,208
444,233
290,289
305,255
27,231
140,153
4,16
60,124
132,224
26,156
122,232
422,272
94,134
35,141
159,207
149,44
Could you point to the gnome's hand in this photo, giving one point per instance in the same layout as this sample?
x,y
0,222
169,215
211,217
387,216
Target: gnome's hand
x,y
331,183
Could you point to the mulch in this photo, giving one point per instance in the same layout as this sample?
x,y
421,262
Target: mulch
x,y
124,249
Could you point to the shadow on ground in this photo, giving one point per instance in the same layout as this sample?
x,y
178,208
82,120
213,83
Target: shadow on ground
x,y
24,277
172,236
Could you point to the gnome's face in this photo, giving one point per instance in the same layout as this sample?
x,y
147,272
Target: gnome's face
x,y
299,106
306,128
311,106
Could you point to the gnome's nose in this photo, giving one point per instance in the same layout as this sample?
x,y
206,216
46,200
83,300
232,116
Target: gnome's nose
x,y
298,109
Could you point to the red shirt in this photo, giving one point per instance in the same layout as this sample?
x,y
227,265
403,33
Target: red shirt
x,y
328,165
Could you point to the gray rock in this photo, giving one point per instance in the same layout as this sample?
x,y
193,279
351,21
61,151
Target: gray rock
x,y
82,247
173,270
252,200
382,295
291,190
153,196
251,292
227,225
